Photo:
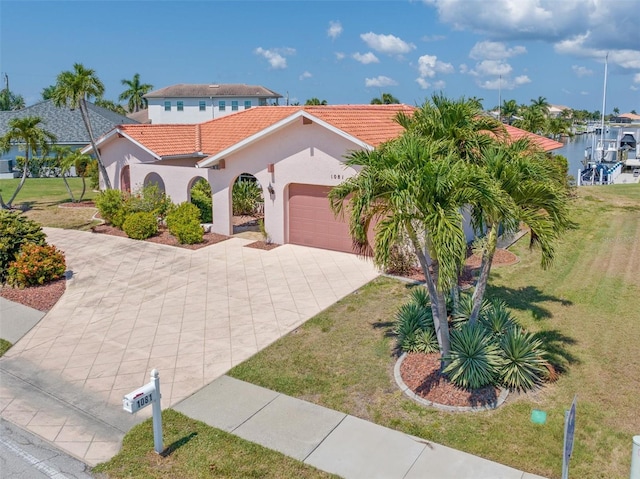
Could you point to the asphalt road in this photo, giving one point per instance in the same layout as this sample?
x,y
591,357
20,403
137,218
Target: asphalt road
x,y
25,456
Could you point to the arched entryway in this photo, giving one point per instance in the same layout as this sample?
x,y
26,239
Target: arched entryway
x,y
200,195
154,179
125,179
247,205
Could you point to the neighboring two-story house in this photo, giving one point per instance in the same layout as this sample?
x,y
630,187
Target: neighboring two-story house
x,y
185,103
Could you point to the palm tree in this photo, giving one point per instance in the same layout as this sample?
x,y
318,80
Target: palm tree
x,y
532,120
73,89
27,133
534,195
135,92
541,104
109,105
315,101
10,101
385,99
509,110
47,92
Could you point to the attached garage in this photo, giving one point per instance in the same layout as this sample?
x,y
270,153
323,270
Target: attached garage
x,y
311,221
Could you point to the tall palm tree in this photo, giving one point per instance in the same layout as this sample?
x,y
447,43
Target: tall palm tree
x,y
415,189
385,99
10,101
135,92
74,89
28,133
508,110
47,92
533,120
534,195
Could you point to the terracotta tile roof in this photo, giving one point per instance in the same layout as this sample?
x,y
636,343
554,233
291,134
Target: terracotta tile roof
x,y
547,144
206,90
371,124
164,140
224,132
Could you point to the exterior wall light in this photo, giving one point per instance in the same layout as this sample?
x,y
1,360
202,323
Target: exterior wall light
x,y
271,190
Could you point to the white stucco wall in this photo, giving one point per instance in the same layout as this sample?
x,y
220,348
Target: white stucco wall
x,y
120,152
191,112
308,154
177,179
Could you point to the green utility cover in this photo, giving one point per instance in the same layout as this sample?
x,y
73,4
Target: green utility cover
x,y
538,417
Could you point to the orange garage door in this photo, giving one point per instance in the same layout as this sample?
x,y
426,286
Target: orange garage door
x,y
311,221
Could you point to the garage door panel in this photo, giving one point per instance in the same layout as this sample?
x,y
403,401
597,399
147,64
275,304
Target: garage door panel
x,y
311,221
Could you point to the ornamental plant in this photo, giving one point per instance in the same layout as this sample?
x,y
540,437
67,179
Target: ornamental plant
x,y
246,195
16,230
201,197
140,225
35,265
183,222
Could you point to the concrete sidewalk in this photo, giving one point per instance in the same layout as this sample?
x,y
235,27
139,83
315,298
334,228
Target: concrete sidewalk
x,y
16,320
330,440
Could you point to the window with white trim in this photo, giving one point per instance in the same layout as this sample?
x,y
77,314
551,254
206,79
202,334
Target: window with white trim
x,y
167,106
202,105
234,105
247,104
222,105
180,106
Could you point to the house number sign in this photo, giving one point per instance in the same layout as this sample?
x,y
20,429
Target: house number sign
x,y
337,177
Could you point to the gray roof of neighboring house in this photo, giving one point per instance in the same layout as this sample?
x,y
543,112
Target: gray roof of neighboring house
x,y
183,90
65,123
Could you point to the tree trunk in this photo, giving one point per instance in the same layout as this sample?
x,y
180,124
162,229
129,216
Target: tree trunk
x,y
438,302
84,188
66,184
485,269
84,112
22,180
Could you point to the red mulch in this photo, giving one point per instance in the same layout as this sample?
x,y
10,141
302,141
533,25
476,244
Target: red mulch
x,y
42,298
163,237
421,373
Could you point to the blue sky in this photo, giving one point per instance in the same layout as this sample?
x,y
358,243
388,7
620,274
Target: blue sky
x,y
341,51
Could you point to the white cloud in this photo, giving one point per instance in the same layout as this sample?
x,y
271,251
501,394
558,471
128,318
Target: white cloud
x,y
340,56
492,68
583,28
276,56
584,93
581,71
634,88
380,81
439,84
424,84
389,44
504,83
429,65
305,75
463,68
636,78
334,30
488,50
432,38
366,58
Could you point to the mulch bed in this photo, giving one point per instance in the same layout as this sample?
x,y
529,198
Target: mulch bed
x,y
42,298
163,237
262,245
421,373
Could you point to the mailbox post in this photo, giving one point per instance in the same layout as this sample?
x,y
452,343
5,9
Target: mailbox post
x,y
149,394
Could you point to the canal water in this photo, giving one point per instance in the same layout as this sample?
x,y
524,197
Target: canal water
x,y
573,149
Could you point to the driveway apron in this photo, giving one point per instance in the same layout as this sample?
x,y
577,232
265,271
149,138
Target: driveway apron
x,y
133,306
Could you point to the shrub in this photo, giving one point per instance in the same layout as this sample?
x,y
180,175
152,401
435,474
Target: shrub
x,y
140,225
245,196
411,319
110,203
201,197
524,360
36,264
401,261
497,319
148,199
16,230
183,222
474,360
93,174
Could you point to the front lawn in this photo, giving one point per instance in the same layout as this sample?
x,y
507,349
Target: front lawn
x,y
195,450
586,307
41,198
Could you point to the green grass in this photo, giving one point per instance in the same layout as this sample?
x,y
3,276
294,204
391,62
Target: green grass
x,y
586,309
41,198
4,346
195,450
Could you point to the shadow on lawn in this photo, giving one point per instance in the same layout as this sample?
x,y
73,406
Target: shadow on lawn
x,y
177,444
527,298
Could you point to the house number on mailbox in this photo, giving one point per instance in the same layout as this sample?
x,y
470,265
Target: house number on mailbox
x,y
337,177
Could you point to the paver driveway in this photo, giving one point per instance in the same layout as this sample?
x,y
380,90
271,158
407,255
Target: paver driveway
x,y
133,306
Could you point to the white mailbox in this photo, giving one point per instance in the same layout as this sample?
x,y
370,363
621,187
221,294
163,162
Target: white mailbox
x,y
140,398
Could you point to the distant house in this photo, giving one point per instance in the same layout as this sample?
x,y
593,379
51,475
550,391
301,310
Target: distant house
x,y
185,103
66,124
556,111
632,117
295,153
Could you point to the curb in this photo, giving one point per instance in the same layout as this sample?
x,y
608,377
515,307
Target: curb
x,y
443,407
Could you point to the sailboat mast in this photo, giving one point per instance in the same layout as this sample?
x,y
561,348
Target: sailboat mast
x,y
604,104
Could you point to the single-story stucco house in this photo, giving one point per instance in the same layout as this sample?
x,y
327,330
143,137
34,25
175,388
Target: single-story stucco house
x,y
296,153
